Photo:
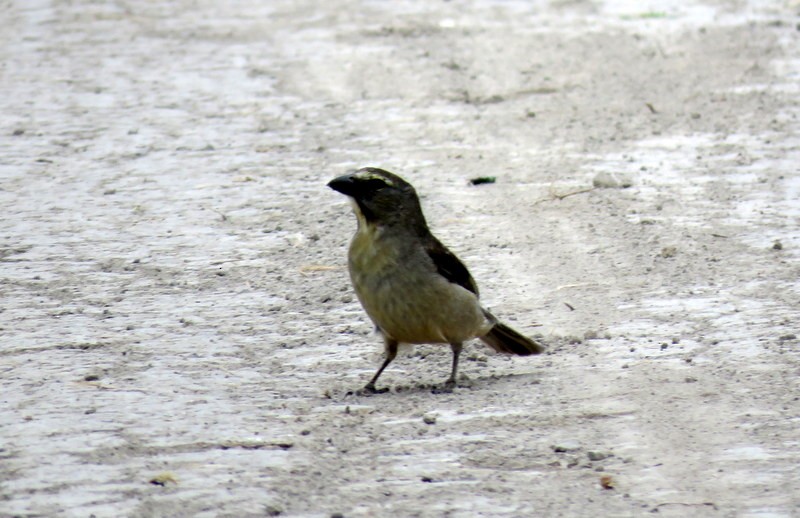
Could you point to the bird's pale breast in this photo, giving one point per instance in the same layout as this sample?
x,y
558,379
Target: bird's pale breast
x,y
404,295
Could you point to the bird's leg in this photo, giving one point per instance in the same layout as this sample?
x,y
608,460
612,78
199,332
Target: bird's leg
x,y
391,353
451,382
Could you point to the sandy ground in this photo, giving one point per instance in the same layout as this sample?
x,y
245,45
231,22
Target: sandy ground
x,y
179,337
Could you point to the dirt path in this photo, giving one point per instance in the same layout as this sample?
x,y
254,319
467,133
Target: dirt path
x,y
175,307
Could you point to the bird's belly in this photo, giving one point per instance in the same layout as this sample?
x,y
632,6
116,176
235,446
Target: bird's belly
x,y
416,305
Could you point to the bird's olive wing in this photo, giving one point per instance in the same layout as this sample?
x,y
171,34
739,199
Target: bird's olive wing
x,y
449,267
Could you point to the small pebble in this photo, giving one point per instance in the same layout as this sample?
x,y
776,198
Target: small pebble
x,y
596,455
606,180
482,180
566,446
163,478
668,252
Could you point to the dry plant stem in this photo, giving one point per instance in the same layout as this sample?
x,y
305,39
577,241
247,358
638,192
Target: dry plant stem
x,y
555,196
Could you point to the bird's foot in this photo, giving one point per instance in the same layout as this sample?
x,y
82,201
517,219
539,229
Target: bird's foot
x,y
370,390
447,388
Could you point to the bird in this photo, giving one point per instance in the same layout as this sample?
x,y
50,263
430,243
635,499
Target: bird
x,y
412,287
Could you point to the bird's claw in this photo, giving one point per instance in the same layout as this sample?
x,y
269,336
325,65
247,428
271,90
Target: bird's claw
x,y
447,388
370,390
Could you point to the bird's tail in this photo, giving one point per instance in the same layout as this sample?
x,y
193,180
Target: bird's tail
x,y
503,339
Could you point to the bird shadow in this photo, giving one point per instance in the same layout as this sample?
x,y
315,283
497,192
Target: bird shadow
x,y
464,384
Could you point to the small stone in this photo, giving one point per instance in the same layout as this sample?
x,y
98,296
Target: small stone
x,y
477,357
777,245
429,419
566,446
785,338
606,180
297,239
668,252
163,478
482,180
595,456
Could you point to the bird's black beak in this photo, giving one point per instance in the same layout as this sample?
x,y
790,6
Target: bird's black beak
x,y
343,184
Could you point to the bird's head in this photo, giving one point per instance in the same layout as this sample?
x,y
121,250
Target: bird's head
x,y
380,197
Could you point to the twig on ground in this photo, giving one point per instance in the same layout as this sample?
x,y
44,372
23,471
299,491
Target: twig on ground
x,y
555,196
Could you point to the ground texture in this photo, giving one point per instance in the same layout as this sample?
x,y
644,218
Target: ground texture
x,y
178,336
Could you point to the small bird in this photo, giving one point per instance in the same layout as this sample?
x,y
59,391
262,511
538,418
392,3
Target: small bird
x,y
412,287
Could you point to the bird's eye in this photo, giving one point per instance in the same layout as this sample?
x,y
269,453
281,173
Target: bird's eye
x,y
374,184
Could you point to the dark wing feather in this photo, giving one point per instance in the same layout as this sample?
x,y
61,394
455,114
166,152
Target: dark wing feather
x,y
448,265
